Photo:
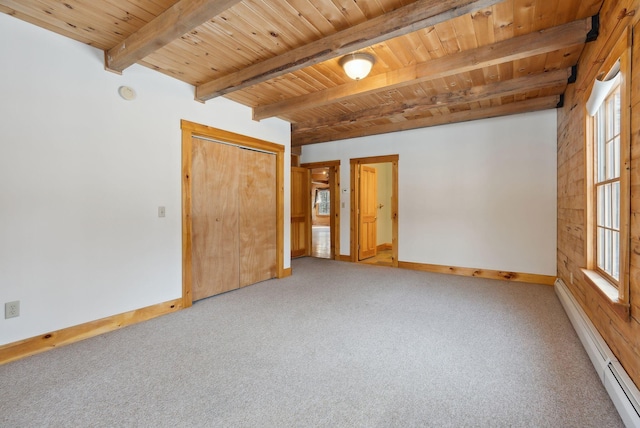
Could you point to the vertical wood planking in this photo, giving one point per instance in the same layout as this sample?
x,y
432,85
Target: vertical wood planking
x,y
623,337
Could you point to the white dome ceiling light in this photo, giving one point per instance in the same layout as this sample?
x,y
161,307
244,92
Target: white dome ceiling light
x,y
357,65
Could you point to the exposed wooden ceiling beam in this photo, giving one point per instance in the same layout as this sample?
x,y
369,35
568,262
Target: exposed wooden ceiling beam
x,y
552,39
534,104
554,80
415,16
179,19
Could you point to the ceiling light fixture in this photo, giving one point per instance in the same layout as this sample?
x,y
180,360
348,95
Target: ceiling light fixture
x,y
357,65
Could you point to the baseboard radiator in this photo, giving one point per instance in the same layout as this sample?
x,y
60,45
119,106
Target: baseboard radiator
x,y
621,389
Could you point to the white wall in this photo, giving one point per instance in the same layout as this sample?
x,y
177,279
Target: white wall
x,y
479,194
82,173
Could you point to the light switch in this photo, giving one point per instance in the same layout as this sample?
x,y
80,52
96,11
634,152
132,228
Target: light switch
x,y
160,211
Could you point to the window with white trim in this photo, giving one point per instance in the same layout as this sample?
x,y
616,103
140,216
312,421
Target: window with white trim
x,y
322,202
607,178
607,183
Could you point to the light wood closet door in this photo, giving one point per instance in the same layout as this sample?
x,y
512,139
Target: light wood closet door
x,y
257,222
215,212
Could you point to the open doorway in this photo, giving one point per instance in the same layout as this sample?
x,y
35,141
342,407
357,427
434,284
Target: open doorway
x,y
325,219
374,213
381,248
320,213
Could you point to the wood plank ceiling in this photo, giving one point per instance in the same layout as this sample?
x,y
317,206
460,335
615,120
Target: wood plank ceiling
x,y
436,61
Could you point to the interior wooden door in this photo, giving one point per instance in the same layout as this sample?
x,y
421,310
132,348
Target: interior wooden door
x,y
257,221
214,217
300,212
368,212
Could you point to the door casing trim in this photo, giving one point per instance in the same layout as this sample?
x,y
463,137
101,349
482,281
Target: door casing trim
x,y
334,167
355,179
190,130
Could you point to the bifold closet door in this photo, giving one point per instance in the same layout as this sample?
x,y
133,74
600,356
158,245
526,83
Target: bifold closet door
x,y
233,217
214,218
257,223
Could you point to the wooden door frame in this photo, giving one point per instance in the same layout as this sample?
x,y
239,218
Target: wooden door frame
x,y
355,180
334,190
190,130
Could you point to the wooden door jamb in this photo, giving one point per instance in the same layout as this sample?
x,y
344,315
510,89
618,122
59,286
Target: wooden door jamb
x,y
355,177
334,167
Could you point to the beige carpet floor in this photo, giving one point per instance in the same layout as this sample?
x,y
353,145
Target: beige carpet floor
x,y
335,345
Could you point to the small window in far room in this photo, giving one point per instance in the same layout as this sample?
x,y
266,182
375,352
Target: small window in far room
x,y
322,202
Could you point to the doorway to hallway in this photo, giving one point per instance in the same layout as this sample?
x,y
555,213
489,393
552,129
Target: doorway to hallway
x,y
320,213
324,201
374,214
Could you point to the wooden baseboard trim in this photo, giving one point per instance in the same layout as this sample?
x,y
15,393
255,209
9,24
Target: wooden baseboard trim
x,y
480,273
342,258
35,345
386,246
286,272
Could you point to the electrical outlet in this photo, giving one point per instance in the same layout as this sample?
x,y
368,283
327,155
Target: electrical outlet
x,y
12,309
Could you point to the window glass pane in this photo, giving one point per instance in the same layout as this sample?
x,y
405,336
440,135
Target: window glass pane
x,y
607,250
615,205
606,202
323,202
616,112
616,157
609,160
600,206
615,257
609,118
599,146
600,247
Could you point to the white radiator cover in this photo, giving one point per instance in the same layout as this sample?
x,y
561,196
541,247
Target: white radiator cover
x,y
621,389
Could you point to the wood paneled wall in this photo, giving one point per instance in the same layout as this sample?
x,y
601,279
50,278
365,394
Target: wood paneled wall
x,y
623,337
